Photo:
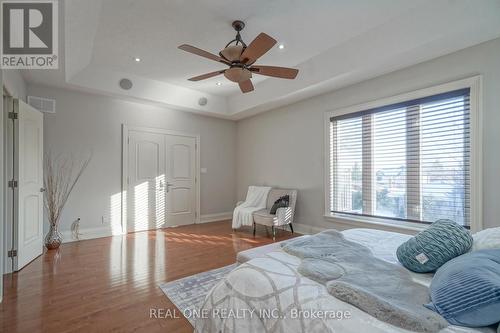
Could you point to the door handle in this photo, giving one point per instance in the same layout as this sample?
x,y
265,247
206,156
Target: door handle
x,y
42,189
168,186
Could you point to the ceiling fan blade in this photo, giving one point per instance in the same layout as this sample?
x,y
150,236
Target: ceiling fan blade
x,y
257,48
246,86
274,71
202,53
206,76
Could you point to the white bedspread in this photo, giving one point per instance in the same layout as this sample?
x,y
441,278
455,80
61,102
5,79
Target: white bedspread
x,y
267,294
255,201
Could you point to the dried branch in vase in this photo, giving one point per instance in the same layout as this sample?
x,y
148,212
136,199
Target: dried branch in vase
x,y
60,177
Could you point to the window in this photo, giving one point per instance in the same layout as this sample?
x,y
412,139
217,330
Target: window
x,y
406,161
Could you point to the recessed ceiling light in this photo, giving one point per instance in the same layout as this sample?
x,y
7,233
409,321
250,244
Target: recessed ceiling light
x,y
219,83
281,46
137,59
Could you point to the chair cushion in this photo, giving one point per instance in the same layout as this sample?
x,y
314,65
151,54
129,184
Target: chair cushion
x,y
281,202
275,194
263,217
466,290
433,247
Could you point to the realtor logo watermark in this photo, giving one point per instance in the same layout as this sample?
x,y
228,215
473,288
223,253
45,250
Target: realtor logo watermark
x,y
29,38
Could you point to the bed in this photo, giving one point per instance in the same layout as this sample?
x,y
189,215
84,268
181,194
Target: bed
x,y
267,294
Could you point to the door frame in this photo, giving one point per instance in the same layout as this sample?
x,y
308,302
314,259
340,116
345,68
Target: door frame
x,y
3,189
8,230
126,129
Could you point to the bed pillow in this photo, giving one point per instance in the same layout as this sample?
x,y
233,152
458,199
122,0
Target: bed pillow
x,y
281,202
466,290
430,249
486,239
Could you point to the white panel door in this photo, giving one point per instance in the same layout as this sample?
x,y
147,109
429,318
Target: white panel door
x,y
180,176
146,181
29,171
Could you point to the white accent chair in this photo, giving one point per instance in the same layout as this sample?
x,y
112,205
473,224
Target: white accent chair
x,y
284,215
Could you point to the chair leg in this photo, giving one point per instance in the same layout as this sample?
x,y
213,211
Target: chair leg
x,y
274,232
254,229
291,227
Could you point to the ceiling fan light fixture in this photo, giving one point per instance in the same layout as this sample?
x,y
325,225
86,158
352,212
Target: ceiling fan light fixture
x,y
237,74
232,52
281,46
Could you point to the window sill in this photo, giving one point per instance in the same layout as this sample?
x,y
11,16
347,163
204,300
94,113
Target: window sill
x,y
362,222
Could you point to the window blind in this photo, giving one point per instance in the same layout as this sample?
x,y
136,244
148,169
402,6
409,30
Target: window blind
x,y
407,161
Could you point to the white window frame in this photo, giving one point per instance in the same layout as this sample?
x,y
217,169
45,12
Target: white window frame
x,y
474,83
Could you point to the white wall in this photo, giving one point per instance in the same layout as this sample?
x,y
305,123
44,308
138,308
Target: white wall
x,y
88,122
15,84
284,147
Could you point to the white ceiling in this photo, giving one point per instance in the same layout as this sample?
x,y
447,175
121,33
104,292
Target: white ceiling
x,y
153,32
332,42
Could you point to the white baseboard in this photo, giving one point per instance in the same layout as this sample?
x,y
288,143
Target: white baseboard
x,y
216,217
87,233
338,225
92,233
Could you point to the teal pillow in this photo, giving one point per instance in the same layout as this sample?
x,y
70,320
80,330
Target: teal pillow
x,y
466,290
433,247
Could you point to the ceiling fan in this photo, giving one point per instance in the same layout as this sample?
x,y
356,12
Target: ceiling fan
x,y
241,58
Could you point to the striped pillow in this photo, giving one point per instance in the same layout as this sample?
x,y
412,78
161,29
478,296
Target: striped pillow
x,y
466,290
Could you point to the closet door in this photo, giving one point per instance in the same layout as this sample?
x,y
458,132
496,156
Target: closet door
x,y
181,179
146,181
161,179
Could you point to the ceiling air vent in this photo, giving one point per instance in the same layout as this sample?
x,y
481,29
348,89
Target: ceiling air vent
x,y
46,105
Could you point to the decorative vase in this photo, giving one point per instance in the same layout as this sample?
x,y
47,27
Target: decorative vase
x,y
54,238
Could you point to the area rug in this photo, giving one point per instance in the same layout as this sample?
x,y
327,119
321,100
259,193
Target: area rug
x,y
188,293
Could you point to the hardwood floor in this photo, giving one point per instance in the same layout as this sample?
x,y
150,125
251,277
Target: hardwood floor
x,y
110,284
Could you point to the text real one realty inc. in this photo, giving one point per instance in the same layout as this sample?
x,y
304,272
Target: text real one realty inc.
x,y
222,313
